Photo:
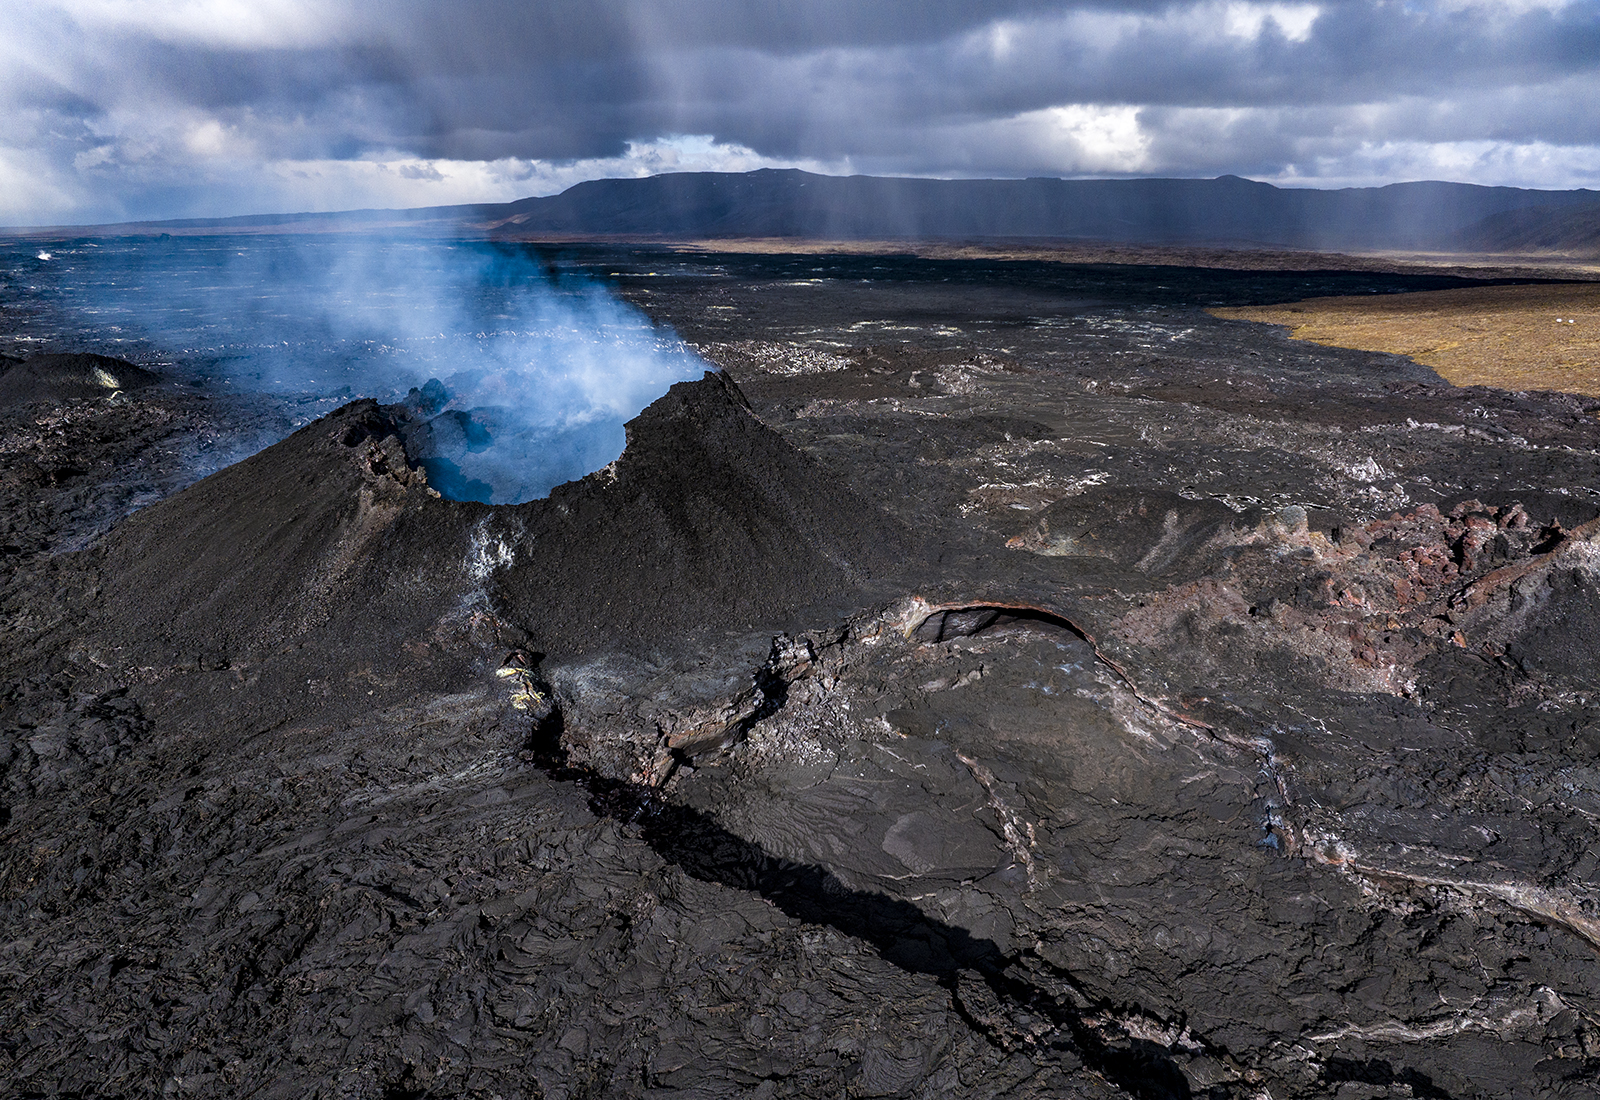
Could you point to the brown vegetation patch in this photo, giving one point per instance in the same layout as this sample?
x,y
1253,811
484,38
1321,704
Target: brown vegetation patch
x,y
1515,337
1497,265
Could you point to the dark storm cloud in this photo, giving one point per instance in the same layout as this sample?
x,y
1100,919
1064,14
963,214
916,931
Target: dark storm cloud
x,y
119,104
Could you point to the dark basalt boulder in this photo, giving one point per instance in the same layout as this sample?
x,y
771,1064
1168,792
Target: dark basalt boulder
x,y
59,377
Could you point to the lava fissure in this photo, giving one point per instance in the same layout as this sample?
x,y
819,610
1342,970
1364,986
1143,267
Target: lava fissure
x,y
1377,1071
897,930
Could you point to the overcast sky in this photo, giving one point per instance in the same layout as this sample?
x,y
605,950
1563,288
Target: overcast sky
x,y
117,109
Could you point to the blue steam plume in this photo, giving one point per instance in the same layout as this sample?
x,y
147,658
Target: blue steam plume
x,y
518,380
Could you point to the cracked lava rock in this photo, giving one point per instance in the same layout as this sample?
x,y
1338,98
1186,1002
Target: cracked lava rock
x,y
969,689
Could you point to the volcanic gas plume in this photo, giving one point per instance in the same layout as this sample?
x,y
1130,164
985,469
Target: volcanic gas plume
x,y
519,377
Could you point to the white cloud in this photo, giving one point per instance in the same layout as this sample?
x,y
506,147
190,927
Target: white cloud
x,y
210,138
1002,36
1080,139
1535,164
1099,32
397,180
1249,20
33,191
237,23
1373,144
213,184
1498,8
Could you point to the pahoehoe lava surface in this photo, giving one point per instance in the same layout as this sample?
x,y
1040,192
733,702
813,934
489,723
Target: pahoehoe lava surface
x,y
978,687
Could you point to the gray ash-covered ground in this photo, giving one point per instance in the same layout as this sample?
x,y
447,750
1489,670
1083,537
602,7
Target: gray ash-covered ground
x,y
987,688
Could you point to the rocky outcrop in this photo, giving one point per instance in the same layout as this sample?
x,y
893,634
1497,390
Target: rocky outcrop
x,y
53,378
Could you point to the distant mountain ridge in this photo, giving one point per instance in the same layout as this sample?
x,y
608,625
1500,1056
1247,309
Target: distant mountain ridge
x,y
1540,229
1227,211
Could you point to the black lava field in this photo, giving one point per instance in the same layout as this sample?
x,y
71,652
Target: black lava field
x,y
985,680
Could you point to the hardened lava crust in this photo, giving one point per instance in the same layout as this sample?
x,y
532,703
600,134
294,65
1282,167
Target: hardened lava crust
x,y
968,688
